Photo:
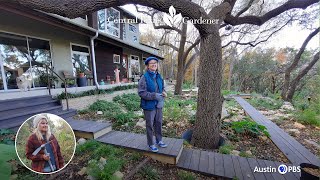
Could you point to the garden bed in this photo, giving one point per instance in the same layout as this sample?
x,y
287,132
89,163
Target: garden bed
x,y
179,116
301,125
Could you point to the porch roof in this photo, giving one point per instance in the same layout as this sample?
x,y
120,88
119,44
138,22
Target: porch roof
x,y
66,23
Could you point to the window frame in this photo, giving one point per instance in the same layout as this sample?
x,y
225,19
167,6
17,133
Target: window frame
x,y
114,56
107,26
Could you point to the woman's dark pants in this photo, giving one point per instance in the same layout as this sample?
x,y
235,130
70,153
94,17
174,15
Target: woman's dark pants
x,y
153,121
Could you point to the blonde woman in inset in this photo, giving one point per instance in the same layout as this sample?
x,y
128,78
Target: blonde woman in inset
x,y
47,158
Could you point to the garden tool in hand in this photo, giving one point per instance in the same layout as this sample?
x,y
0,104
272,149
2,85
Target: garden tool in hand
x,y
46,153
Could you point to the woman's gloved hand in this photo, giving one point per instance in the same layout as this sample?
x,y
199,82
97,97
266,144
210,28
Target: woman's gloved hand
x,y
160,100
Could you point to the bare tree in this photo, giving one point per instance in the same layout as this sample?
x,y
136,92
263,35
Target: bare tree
x,y
289,86
209,105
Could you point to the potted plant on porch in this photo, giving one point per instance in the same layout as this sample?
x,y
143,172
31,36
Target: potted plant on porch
x,y
81,80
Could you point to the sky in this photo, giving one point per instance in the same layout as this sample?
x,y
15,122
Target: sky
x,y
292,36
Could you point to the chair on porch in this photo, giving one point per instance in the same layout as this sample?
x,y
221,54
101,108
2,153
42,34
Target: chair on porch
x,y
68,76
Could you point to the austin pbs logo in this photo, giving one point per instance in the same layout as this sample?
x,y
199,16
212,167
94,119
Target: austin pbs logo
x,y
282,169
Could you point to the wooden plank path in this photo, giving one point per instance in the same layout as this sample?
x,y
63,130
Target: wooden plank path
x,y
89,129
138,142
291,148
230,166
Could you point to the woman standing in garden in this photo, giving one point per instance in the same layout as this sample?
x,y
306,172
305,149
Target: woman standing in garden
x,y
152,93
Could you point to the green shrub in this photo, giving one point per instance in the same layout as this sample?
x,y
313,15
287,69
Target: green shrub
x,y
226,149
88,146
266,103
122,118
187,85
105,172
130,101
7,153
95,92
308,117
247,127
227,92
102,105
184,175
244,154
149,173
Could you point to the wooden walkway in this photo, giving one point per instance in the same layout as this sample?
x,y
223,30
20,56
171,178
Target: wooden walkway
x,y
208,163
291,148
89,129
138,142
230,166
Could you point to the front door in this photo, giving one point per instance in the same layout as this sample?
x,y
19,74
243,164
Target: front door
x,y
134,67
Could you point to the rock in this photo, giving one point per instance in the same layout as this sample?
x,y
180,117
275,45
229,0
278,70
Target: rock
x,y
118,174
192,112
249,152
14,176
82,171
139,113
263,138
227,120
81,141
313,143
287,106
141,123
187,135
90,177
293,132
102,163
235,152
224,113
99,113
299,125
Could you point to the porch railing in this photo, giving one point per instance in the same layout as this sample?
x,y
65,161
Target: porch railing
x,y
50,79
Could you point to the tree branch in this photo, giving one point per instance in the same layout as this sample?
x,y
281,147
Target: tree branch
x,y
291,4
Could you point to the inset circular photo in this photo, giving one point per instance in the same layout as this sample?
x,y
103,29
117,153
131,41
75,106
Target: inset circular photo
x,y
45,143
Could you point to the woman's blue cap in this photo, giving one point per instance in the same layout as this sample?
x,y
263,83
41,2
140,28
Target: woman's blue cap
x,y
149,59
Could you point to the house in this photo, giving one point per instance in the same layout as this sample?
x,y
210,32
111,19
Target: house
x,y
97,43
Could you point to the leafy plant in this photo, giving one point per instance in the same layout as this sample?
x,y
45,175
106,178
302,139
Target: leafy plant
x,y
102,105
130,101
247,127
265,103
308,117
226,149
149,173
244,154
184,175
7,153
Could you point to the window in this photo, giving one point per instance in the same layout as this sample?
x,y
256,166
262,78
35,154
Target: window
x,y
132,28
134,66
23,55
101,20
80,59
116,58
108,21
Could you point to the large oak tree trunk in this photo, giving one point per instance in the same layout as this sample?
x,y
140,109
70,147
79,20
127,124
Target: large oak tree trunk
x,y
207,126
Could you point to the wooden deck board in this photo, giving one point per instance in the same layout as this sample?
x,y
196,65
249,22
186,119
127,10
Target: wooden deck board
x,y
253,163
203,162
194,164
294,151
228,166
218,165
211,166
275,175
263,165
237,168
245,168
